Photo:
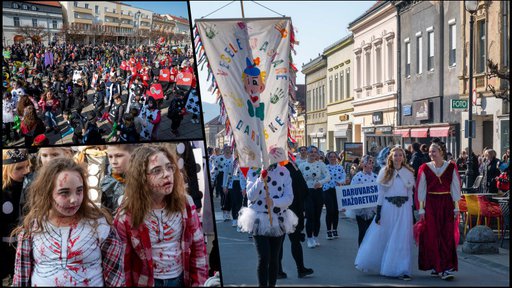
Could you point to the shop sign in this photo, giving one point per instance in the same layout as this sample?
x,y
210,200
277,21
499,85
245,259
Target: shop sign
x,y
377,118
421,110
459,104
368,130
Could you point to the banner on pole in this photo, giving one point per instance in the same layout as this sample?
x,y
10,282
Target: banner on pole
x,y
357,196
249,60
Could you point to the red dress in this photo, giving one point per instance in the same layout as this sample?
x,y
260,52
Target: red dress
x,y
437,247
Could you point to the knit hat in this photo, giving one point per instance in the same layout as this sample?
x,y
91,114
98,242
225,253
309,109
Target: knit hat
x,y
15,156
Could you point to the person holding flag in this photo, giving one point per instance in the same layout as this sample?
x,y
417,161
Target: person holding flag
x,y
268,229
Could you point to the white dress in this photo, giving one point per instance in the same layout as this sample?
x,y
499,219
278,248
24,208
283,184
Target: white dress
x,y
387,248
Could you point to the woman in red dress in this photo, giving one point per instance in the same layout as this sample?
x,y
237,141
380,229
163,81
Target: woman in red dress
x,y
438,187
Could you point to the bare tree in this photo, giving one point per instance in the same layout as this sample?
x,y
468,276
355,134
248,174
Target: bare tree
x,y
503,74
35,33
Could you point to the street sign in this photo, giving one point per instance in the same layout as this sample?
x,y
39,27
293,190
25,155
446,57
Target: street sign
x,y
457,104
466,128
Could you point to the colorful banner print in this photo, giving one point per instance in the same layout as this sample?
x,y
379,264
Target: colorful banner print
x,y
250,60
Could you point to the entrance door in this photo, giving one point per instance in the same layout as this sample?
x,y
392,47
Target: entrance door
x,y
488,134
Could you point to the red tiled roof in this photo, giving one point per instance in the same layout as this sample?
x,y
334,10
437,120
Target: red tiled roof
x,y
47,3
179,19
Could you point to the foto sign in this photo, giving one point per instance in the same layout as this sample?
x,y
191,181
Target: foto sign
x,y
357,196
459,104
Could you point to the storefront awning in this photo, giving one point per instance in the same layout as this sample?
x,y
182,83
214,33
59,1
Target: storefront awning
x,y
419,132
440,131
406,133
341,131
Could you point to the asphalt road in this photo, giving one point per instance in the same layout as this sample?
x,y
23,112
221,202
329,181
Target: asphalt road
x,y
333,262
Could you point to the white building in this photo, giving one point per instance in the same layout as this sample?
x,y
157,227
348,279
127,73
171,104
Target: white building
x,y
15,14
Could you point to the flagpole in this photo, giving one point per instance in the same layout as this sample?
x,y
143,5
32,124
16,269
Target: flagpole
x,y
242,6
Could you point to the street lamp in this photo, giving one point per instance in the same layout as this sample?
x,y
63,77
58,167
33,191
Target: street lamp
x,y
471,7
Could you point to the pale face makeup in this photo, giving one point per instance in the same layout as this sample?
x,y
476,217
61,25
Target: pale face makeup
x,y
118,159
20,170
67,195
160,175
48,154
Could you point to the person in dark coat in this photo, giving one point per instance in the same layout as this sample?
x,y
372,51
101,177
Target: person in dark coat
x,y
300,190
491,171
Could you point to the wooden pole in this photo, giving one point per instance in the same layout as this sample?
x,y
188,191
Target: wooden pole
x,y
242,6
267,195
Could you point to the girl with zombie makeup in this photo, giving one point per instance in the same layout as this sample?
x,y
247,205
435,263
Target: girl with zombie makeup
x,y
15,166
388,243
63,223
113,183
159,225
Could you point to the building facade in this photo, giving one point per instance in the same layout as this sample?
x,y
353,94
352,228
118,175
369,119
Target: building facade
x,y
316,106
107,21
298,122
491,41
45,14
211,129
339,93
430,61
375,75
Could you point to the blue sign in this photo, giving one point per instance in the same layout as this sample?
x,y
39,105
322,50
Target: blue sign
x,y
407,111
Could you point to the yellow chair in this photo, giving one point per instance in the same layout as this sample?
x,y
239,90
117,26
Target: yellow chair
x,y
473,209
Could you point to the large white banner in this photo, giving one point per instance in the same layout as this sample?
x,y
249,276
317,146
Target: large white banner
x,y
250,60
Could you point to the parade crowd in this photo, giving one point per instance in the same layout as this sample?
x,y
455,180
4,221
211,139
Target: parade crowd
x,y
419,204
147,228
128,87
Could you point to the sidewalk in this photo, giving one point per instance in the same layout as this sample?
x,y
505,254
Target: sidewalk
x,y
499,263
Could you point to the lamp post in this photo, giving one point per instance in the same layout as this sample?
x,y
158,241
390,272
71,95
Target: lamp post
x,y
471,7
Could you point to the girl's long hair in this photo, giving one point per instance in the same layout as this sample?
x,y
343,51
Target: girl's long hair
x,y
389,164
138,200
40,197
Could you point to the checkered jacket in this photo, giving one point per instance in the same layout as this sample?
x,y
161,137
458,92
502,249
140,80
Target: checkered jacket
x,y
138,261
111,255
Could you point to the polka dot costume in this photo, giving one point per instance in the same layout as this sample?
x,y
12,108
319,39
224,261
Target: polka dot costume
x,y
315,172
337,174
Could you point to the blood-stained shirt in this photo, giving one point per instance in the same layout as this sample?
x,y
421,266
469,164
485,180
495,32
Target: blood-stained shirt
x,y
165,233
69,256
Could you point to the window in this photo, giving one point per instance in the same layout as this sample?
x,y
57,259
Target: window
x,y
86,6
358,65
97,9
378,57
75,3
114,11
15,6
453,45
368,69
24,7
430,60
323,94
16,21
390,60
419,54
77,16
34,22
336,88
408,59
106,9
480,49
348,81
330,90
54,24
342,90
33,8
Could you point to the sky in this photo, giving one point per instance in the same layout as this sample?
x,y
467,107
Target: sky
x,y
176,8
318,24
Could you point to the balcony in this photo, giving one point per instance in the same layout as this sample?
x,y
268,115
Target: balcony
x,y
111,24
126,16
83,10
126,25
83,21
113,15
144,27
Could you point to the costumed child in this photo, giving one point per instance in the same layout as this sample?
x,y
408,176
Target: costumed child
x,y
176,112
159,225
15,166
151,116
63,223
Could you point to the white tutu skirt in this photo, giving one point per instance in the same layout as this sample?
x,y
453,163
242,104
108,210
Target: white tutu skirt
x,y
258,223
